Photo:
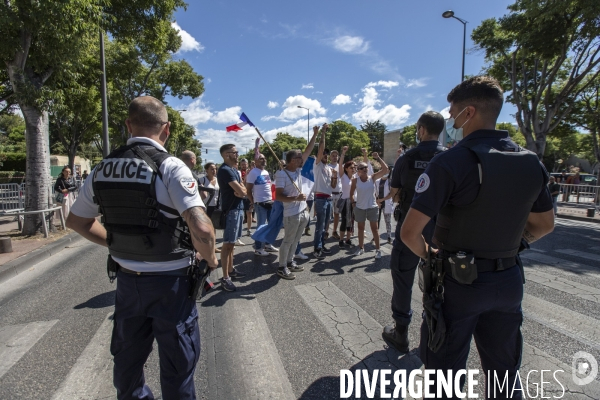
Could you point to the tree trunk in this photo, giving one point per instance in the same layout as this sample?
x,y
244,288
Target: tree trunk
x,y
38,195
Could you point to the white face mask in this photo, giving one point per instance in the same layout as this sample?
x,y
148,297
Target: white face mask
x,y
417,136
455,133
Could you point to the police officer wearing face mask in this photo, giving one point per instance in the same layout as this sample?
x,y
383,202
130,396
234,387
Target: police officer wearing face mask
x,y
403,262
153,221
491,199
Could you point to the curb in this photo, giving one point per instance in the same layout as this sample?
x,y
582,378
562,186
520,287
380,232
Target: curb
x,y
26,261
578,218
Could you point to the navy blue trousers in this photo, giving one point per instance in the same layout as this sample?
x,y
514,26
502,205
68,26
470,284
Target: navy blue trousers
x,y
490,311
403,265
148,308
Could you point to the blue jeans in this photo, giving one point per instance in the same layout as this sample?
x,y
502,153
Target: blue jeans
x,y
262,217
323,208
150,307
233,226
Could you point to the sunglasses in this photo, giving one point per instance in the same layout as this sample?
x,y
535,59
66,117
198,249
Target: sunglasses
x,y
233,152
361,168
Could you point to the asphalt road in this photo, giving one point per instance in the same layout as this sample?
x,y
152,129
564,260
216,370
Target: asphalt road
x,y
287,339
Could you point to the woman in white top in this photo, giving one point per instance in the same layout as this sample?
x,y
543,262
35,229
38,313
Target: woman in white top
x,y
345,203
365,206
210,181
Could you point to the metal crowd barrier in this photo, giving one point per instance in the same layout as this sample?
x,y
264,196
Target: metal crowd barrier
x,y
579,194
18,213
11,196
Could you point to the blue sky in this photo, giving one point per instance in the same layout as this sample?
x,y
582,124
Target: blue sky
x,y
354,60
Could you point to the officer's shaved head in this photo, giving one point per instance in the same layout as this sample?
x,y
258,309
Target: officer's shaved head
x,y
148,113
482,92
187,155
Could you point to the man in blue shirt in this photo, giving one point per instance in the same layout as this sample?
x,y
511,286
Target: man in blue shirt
x,y
232,192
491,200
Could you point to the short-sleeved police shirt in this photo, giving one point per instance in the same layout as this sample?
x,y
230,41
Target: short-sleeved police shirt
x,y
452,177
172,191
229,201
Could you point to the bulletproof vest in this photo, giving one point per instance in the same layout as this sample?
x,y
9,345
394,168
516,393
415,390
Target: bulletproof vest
x,y
417,161
492,225
124,189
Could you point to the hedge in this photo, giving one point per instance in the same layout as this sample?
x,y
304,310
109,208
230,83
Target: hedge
x,y
12,162
12,176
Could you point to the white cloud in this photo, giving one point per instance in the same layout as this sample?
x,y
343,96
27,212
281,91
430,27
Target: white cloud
x,y
421,82
350,44
298,128
308,86
273,104
385,84
446,112
229,115
188,43
341,99
196,113
390,115
292,112
213,139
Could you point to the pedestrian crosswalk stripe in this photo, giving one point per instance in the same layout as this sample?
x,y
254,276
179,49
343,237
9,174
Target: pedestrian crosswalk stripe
x,y
91,376
595,248
17,340
353,329
243,361
533,358
580,254
564,285
561,265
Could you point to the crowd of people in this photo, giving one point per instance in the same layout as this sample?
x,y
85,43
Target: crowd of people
x,y
344,200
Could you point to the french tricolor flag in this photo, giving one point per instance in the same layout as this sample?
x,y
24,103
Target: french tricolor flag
x,y
239,126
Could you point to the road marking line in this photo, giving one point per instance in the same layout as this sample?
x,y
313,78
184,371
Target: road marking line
x,y
561,265
243,361
17,340
549,314
580,254
91,377
564,285
353,329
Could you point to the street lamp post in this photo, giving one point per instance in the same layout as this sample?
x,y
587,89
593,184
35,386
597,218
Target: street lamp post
x,y
450,14
307,125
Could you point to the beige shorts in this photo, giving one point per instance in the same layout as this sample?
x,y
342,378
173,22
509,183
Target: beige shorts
x,y
370,214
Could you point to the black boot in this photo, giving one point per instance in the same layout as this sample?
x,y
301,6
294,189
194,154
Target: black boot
x,y
397,336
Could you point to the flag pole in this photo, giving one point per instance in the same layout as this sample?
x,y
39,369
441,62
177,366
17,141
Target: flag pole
x,y
277,158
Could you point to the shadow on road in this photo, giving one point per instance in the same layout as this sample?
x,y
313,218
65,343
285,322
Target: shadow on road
x,y
100,301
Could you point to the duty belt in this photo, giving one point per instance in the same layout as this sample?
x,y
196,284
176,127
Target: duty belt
x,y
176,272
486,264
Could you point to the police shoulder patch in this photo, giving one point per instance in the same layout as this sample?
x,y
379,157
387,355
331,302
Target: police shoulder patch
x,y
422,184
189,184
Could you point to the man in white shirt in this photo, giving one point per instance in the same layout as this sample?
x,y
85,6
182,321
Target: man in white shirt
x,y
258,187
143,193
288,183
325,181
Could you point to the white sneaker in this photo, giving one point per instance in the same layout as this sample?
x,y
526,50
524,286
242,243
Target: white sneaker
x,y
270,248
301,256
239,243
378,254
359,252
261,252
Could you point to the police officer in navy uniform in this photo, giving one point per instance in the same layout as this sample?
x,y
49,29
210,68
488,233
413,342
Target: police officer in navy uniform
x,y
491,200
153,222
403,262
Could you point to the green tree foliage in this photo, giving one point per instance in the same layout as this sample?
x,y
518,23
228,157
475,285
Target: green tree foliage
x,y
283,142
543,53
41,43
12,133
586,115
408,135
375,131
137,69
342,134
182,137
513,133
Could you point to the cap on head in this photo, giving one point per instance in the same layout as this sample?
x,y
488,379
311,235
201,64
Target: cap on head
x,y
326,152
